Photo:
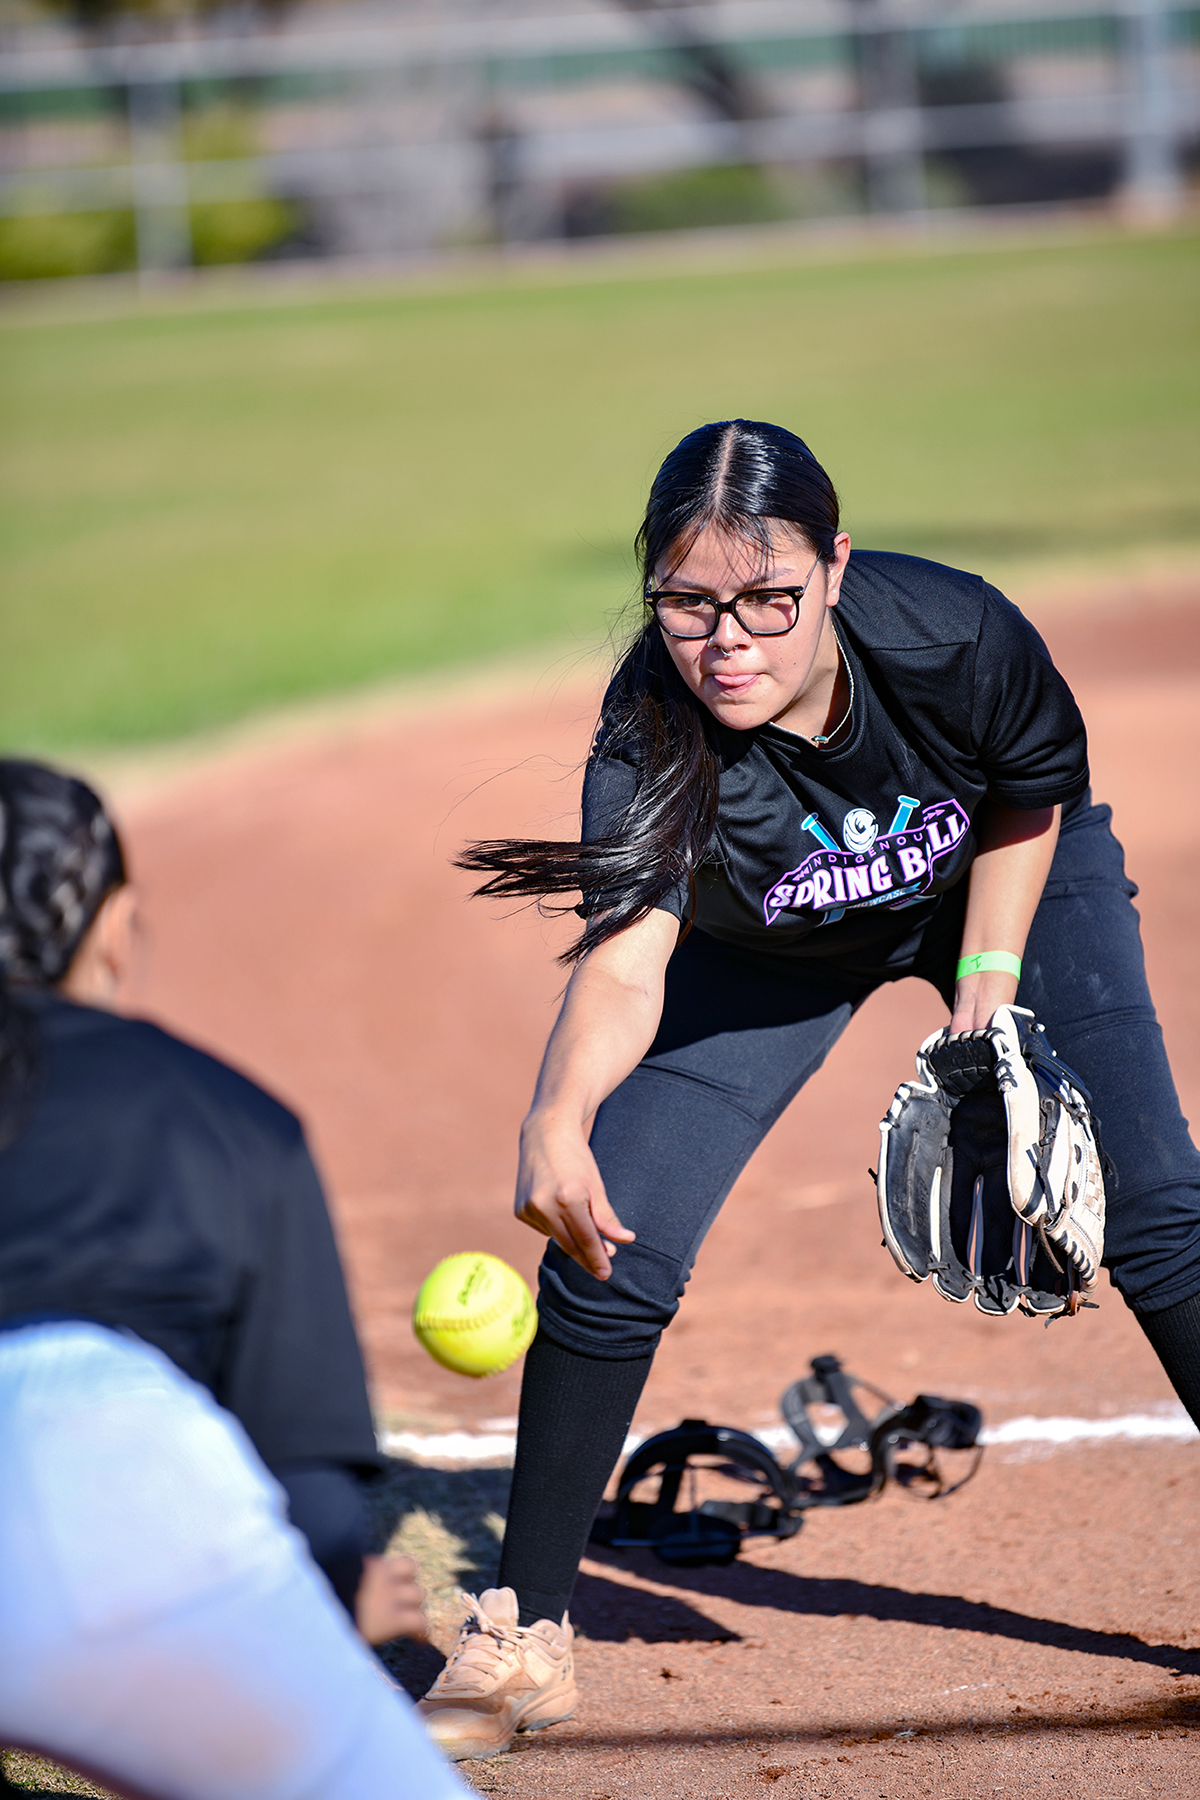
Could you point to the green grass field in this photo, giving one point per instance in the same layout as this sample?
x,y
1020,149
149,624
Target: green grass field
x,y
35,1777
212,508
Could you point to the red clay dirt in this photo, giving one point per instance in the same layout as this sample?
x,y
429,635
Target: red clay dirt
x,y
1039,1631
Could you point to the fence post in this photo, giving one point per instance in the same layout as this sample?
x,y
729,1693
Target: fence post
x,y
158,177
886,65
1153,183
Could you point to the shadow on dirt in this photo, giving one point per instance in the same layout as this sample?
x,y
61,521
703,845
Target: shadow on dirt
x,y
748,1585
459,1547
1177,1717
415,1666
612,1612
467,1505
462,1502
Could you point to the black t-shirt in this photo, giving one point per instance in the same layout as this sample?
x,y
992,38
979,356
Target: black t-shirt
x,y
841,853
153,1188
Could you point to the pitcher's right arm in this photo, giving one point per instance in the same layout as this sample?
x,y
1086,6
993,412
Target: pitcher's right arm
x,y
608,1021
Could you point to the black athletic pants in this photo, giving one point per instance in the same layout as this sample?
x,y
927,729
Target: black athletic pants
x,y
740,1035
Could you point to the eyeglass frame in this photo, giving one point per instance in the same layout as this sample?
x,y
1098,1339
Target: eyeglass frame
x,y
728,606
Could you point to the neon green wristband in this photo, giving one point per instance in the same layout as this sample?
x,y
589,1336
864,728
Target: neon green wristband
x,y
998,960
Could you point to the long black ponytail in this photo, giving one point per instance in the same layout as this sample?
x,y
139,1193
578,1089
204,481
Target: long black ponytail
x,y
60,857
738,475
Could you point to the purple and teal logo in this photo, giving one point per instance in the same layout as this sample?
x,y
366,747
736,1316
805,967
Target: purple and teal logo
x,y
890,868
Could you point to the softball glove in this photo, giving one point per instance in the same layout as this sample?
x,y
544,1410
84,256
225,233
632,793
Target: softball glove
x,y
991,1175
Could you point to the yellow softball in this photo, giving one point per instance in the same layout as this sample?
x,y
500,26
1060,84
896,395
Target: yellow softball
x,y
474,1314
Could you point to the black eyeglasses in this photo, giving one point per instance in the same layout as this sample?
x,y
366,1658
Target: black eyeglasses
x,y
761,612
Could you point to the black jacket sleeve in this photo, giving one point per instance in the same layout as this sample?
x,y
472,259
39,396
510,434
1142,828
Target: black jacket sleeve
x,y
293,1372
326,1504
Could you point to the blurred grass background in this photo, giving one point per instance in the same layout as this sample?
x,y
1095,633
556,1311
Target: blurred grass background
x,y
214,506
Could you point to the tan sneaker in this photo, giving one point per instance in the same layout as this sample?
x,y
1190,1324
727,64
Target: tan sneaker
x,y
501,1678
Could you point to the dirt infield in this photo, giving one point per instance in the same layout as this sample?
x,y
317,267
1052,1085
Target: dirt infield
x,y
1040,1631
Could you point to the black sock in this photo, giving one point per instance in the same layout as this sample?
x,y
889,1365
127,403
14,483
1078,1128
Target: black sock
x,y
575,1412
1175,1335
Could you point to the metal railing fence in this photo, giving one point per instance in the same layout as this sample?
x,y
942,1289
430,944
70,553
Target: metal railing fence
x,y
1148,111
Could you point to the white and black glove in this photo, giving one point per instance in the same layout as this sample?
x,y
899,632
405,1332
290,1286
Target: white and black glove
x,y
991,1176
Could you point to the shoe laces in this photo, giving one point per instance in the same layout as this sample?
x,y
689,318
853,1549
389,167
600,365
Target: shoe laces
x,y
482,1643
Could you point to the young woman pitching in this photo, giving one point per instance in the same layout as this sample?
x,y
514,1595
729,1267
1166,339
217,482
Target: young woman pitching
x,y
787,697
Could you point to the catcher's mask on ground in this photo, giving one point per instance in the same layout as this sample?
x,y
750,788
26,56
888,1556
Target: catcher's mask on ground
x,y
712,1457
717,1462
824,1414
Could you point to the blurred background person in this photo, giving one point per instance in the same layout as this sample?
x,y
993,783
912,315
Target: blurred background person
x,y
173,1316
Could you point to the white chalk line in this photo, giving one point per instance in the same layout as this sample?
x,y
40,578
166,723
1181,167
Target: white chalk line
x,y
1130,1427
1171,1425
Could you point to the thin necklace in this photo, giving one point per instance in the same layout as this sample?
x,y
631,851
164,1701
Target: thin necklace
x,y
825,737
